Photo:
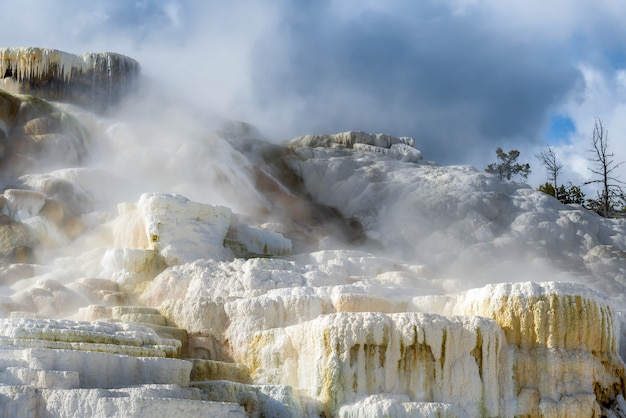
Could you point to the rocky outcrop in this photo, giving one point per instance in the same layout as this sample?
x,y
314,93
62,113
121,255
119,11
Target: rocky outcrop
x,y
349,139
183,231
398,148
45,212
95,81
17,241
36,136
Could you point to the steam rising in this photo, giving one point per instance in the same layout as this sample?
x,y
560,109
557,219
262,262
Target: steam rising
x,y
297,69
255,244
255,247
466,227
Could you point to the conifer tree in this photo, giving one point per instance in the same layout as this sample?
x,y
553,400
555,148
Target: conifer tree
x,y
507,165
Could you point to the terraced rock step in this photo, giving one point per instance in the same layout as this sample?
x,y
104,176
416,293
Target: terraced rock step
x,y
106,337
41,379
132,407
127,350
92,365
138,315
153,319
69,369
203,370
95,312
258,400
140,401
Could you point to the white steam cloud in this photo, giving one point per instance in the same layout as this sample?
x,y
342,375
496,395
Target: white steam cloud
x,y
461,77
288,69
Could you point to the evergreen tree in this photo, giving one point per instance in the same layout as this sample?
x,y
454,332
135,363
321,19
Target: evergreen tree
x,y
507,165
569,194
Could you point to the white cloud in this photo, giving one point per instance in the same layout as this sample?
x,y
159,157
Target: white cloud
x,y
172,10
602,95
461,76
84,23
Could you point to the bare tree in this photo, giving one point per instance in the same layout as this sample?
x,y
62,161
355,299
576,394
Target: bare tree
x,y
548,159
604,168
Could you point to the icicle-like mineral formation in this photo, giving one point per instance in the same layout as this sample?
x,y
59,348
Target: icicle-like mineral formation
x,y
93,80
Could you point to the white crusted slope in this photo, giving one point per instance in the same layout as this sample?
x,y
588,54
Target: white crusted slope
x,y
183,231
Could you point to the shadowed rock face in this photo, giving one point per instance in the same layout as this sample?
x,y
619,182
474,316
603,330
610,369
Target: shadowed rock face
x,y
95,81
35,135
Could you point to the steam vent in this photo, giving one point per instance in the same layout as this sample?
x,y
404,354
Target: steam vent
x,y
96,81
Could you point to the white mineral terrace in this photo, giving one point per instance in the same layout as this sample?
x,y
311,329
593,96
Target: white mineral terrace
x,y
31,63
195,273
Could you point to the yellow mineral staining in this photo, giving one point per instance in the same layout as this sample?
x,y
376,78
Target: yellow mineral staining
x,y
129,229
345,356
568,322
414,357
257,355
352,302
477,352
53,211
564,344
216,370
442,358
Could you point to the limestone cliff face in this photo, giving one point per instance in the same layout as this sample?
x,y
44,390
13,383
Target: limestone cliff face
x,y
524,349
565,344
92,80
342,357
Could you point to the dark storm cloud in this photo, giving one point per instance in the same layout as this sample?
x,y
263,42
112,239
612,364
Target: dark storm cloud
x,y
449,81
462,77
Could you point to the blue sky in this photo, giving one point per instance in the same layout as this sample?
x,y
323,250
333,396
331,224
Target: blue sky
x,y
559,130
462,77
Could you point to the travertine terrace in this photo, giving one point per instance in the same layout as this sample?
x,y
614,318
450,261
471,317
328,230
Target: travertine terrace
x,y
158,265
